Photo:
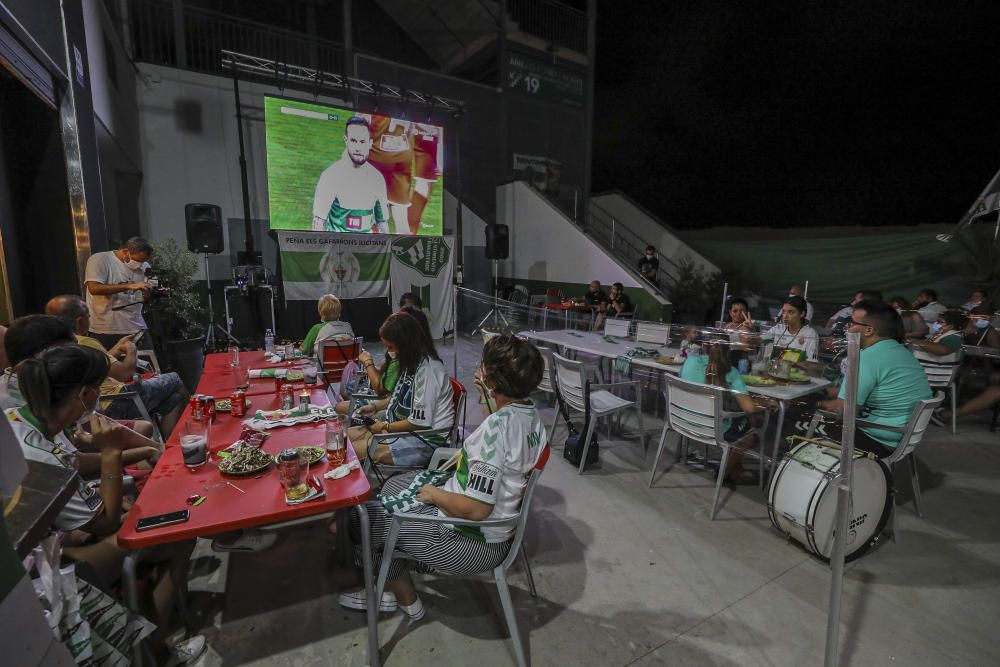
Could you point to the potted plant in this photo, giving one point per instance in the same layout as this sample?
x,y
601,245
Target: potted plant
x,y
174,311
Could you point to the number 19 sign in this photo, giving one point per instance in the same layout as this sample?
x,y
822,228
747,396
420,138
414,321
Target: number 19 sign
x,y
541,80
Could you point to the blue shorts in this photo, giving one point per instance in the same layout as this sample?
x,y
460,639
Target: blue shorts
x,y
160,394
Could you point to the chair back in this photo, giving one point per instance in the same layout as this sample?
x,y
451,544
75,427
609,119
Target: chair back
x,y
334,355
519,295
619,328
650,332
570,384
553,295
915,428
522,517
458,398
940,371
694,410
547,384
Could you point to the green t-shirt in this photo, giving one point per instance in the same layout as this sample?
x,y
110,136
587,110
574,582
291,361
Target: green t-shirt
x,y
309,342
391,375
952,342
694,370
890,383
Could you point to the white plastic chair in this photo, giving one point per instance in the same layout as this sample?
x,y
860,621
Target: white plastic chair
x,y
618,328
696,412
596,402
519,523
650,332
942,373
547,383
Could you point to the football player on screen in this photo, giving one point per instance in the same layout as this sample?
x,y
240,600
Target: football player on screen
x,y
351,195
427,163
392,155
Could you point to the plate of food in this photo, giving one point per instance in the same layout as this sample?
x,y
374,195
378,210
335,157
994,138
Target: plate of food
x,y
226,405
798,377
311,455
670,361
245,460
759,381
295,376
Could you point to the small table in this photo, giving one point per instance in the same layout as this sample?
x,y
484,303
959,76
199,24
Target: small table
x,y
567,308
44,491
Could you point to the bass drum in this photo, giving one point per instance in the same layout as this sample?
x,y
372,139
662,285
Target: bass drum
x,y
802,500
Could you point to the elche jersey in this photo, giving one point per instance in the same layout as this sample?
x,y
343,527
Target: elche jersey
x,y
494,465
349,198
82,505
425,398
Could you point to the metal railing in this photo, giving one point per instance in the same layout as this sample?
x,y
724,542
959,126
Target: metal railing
x,y
552,21
623,243
206,33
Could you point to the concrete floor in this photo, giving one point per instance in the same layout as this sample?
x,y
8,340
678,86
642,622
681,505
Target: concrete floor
x,y
633,576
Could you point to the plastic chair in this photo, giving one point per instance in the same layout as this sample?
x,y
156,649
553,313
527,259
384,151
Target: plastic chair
x,y
617,327
593,399
519,523
696,412
334,355
650,332
547,383
942,373
911,435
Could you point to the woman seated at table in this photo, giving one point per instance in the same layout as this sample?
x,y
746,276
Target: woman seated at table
x,y
713,368
503,450
330,326
979,332
913,322
793,338
421,399
61,386
944,344
382,379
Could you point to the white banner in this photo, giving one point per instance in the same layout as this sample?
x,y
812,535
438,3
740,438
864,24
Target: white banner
x,y
425,265
350,266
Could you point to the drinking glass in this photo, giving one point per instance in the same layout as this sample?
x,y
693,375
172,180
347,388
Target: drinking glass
x,y
234,356
336,440
194,442
292,474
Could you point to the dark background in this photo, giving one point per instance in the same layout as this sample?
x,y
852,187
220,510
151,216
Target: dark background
x,y
797,113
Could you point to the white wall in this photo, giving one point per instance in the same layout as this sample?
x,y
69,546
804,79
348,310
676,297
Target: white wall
x,y
668,245
545,245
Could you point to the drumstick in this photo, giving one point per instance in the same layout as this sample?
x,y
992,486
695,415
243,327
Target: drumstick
x,y
829,444
452,461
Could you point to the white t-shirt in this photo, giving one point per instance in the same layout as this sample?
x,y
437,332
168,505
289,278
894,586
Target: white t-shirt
x,y
806,339
432,405
494,465
350,199
106,312
83,505
931,311
10,392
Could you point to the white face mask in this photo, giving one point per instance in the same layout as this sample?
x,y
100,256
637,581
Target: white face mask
x,y
392,354
87,412
649,254
982,324
935,328
134,265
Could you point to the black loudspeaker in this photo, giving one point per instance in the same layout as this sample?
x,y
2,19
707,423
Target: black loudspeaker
x,y
204,228
497,242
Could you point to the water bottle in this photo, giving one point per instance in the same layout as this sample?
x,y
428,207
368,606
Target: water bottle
x,y
269,341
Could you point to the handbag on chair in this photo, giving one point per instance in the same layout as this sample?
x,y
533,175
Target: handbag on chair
x,y
573,449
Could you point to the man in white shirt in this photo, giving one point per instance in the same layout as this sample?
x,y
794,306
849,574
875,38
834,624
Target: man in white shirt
x,y
116,287
928,306
351,194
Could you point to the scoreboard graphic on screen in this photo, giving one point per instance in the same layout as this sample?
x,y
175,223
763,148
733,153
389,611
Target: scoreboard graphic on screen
x,y
337,170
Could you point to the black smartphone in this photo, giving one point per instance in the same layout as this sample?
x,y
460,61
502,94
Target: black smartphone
x,y
137,336
160,520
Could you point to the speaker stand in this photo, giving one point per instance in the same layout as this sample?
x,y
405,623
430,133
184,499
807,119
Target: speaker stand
x,y
495,312
210,340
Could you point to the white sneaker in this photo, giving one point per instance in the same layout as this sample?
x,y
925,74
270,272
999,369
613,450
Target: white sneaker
x,y
415,611
187,651
359,600
250,540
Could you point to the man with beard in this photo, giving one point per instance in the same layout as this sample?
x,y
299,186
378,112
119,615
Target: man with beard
x,y
351,195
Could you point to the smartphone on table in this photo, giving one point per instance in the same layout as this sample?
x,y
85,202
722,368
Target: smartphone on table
x,y
161,520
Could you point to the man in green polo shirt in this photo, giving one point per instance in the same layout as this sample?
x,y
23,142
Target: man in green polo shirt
x,y
890,380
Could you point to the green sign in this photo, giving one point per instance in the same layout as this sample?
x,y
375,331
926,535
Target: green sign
x,y
544,81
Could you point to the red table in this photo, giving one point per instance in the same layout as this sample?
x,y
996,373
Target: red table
x,y
251,359
567,308
261,502
221,383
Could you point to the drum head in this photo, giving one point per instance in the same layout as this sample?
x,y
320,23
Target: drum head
x,y
869,511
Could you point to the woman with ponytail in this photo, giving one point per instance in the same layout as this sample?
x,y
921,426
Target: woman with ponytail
x,y
61,386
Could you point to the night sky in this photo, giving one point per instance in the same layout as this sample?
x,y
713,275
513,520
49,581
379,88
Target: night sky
x,y
798,113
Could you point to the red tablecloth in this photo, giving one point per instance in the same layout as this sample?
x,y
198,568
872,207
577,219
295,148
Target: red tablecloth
x,y
251,359
225,508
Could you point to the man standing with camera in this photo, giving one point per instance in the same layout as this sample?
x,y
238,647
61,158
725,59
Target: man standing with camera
x,y
116,288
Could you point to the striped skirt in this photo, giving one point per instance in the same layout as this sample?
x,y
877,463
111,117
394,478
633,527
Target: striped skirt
x,y
434,547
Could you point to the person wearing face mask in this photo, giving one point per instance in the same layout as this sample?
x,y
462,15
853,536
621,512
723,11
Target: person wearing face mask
x,y
61,385
649,264
978,331
116,287
890,380
944,342
489,483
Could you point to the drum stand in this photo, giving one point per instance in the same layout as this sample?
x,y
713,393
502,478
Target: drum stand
x,y
495,312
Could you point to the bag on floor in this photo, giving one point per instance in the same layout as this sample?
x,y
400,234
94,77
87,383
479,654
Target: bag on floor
x,y
574,448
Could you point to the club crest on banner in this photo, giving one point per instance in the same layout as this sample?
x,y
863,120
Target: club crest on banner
x,y
425,255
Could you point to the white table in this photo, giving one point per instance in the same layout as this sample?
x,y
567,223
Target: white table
x,y
594,343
